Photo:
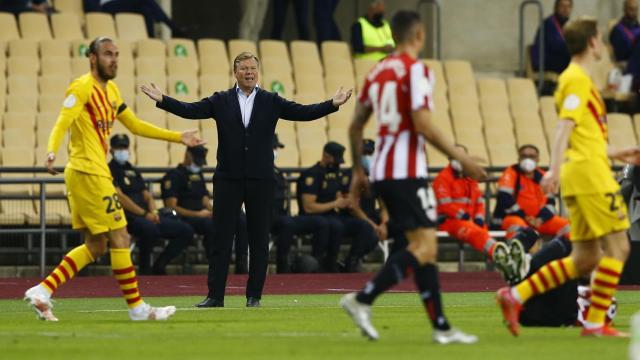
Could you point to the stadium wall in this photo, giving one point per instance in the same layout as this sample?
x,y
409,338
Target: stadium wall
x,y
482,31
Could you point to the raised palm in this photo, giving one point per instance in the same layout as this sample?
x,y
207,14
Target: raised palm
x,y
341,96
152,91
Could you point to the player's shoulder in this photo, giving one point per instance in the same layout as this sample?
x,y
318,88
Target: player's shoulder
x,y
82,83
573,74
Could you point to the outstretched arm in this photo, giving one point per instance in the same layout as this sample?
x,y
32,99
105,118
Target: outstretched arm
x,y
298,112
202,109
142,128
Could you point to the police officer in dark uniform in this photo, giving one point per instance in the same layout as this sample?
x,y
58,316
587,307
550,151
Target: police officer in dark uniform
x,y
285,226
140,210
364,222
319,193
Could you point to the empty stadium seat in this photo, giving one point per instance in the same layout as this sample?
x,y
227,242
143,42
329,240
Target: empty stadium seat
x,y
362,68
310,83
22,84
152,157
182,66
275,53
214,65
19,120
100,24
620,129
212,83
278,82
150,66
51,102
183,85
69,6
66,26
60,66
79,48
23,47
8,29
151,48
181,48
156,117
79,66
131,26
22,65
236,46
22,102
159,79
19,137
34,25
216,50
54,48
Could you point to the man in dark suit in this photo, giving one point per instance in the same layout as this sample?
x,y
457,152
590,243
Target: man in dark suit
x,y
246,118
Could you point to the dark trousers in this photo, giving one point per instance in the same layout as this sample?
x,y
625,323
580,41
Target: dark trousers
x,y
363,238
257,196
204,227
177,232
149,9
241,244
326,27
285,227
301,9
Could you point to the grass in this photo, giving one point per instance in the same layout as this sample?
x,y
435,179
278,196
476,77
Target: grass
x,y
289,327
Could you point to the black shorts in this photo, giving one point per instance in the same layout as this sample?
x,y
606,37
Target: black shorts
x,y
410,202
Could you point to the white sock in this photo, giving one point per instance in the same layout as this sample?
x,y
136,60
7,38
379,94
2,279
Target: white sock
x,y
516,295
590,325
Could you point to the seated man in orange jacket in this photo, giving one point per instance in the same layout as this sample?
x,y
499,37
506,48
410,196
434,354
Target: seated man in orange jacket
x,y
461,213
523,209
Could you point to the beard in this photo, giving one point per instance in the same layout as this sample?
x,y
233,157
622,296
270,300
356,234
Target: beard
x,y
104,74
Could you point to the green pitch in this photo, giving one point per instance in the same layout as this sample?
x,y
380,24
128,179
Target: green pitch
x,y
289,327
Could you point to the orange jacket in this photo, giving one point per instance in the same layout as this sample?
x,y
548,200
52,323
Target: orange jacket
x,y
459,197
522,196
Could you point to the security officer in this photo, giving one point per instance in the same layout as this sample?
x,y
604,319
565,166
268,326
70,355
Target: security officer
x,y
285,226
320,193
184,190
140,210
364,222
371,34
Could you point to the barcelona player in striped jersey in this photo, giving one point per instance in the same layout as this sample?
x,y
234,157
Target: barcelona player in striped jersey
x,y
92,104
399,89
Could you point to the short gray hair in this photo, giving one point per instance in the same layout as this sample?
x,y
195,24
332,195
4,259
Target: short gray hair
x,y
244,56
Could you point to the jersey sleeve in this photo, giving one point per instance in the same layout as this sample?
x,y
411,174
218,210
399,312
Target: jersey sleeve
x,y
309,184
421,86
363,97
76,97
572,99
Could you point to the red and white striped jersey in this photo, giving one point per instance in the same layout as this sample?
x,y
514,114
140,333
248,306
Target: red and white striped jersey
x,y
394,88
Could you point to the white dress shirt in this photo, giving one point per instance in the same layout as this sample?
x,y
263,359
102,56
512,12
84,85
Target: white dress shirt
x,y
246,104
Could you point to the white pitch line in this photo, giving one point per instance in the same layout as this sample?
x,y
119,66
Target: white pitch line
x,y
277,308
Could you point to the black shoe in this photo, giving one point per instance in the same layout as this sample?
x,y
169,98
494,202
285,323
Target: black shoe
x,y
253,302
210,303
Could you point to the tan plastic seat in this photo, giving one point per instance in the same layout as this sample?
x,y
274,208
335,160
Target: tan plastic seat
x,y
152,157
493,88
180,48
17,120
305,66
182,66
34,25
22,66
435,158
176,154
22,84
69,6
275,52
272,81
156,117
15,212
55,48
183,85
66,26
56,66
621,133
23,47
131,27
22,102
19,137
436,67
126,67
100,24
159,79
154,48
214,65
51,102
79,66
214,49
236,46
212,83
362,68
459,74
335,50
8,29
310,83
150,66
79,48
338,67
127,86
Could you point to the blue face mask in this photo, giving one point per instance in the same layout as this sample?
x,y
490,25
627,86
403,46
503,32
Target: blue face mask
x,y
366,162
121,156
194,169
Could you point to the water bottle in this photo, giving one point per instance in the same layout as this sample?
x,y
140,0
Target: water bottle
x,y
634,344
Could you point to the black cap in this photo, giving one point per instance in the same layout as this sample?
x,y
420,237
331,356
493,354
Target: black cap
x,y
198,154
276,142
368,147
119,141
336,150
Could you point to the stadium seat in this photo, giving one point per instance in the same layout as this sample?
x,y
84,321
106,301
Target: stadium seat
x,y
310,83
100,24
176,154
216,50
19,120
152,157
150,66
69,6
236,46
22,84
214,65
22,102
14,212
621,133
151,48
362,68
158,146
51,102
492,88
435,158
23,47
339,67
273,65
459,76
131,27
19,137
307,66
66,26
55,48
22,65
502,155
341,119
183,85
549,116
79,66
335,50
177,123
181,48
275,51
156,117
126,67
182,66
271,82
212,83
8,29
34,25
80,46
442,120
127,86
60,66
45,121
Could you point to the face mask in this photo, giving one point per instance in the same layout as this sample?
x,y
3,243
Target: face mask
x,y
366,162
121,156
194,169
455,164
275,154
528,165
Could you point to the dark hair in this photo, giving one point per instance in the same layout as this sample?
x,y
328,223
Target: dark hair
x,y
529,146
557,3
402,23
245,55
577,34
95,44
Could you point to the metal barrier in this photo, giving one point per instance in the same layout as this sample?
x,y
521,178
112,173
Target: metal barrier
x,y
437,47
521,41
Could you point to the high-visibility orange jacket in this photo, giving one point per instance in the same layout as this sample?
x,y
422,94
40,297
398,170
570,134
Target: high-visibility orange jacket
x,y
458,196
522,196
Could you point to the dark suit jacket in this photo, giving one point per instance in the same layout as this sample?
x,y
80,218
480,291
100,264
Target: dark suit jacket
x,y
246,153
